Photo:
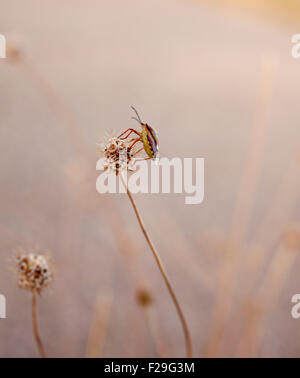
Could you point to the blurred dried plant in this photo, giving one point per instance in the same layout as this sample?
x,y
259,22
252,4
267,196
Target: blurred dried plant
x,y
113,155
260,306
35,273
99,324
146,301
233,250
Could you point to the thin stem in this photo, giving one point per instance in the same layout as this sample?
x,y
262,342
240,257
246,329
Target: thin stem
x,y
35,326
163,272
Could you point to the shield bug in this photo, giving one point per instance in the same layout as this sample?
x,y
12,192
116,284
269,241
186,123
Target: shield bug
x,y
147,136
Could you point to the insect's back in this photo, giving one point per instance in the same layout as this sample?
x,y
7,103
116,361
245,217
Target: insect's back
x,y
150,140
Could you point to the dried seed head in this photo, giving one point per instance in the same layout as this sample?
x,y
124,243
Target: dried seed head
x,y
117,155
13,47
34,271
144,297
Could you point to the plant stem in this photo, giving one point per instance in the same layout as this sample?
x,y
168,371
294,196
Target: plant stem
x,y
163,272
35,326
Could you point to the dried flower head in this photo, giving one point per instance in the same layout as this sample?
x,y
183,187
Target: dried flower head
x,y
117,155
35,271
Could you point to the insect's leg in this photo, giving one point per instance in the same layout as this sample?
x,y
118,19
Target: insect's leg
x,y
137,140
124,133
131,131
125,137
148,158
138,151
133,139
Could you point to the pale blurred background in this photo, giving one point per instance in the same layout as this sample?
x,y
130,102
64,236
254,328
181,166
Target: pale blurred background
x,y
217,80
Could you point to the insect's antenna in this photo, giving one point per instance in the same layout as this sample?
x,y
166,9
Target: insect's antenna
x,y
136,119
139,119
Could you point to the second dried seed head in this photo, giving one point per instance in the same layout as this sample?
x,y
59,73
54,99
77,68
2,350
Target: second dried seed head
x,y
34,271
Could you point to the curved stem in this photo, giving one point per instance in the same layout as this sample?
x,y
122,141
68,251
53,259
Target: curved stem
x,y
35,326
164,274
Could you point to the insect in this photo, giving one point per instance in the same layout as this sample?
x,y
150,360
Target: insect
x,y
147,137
